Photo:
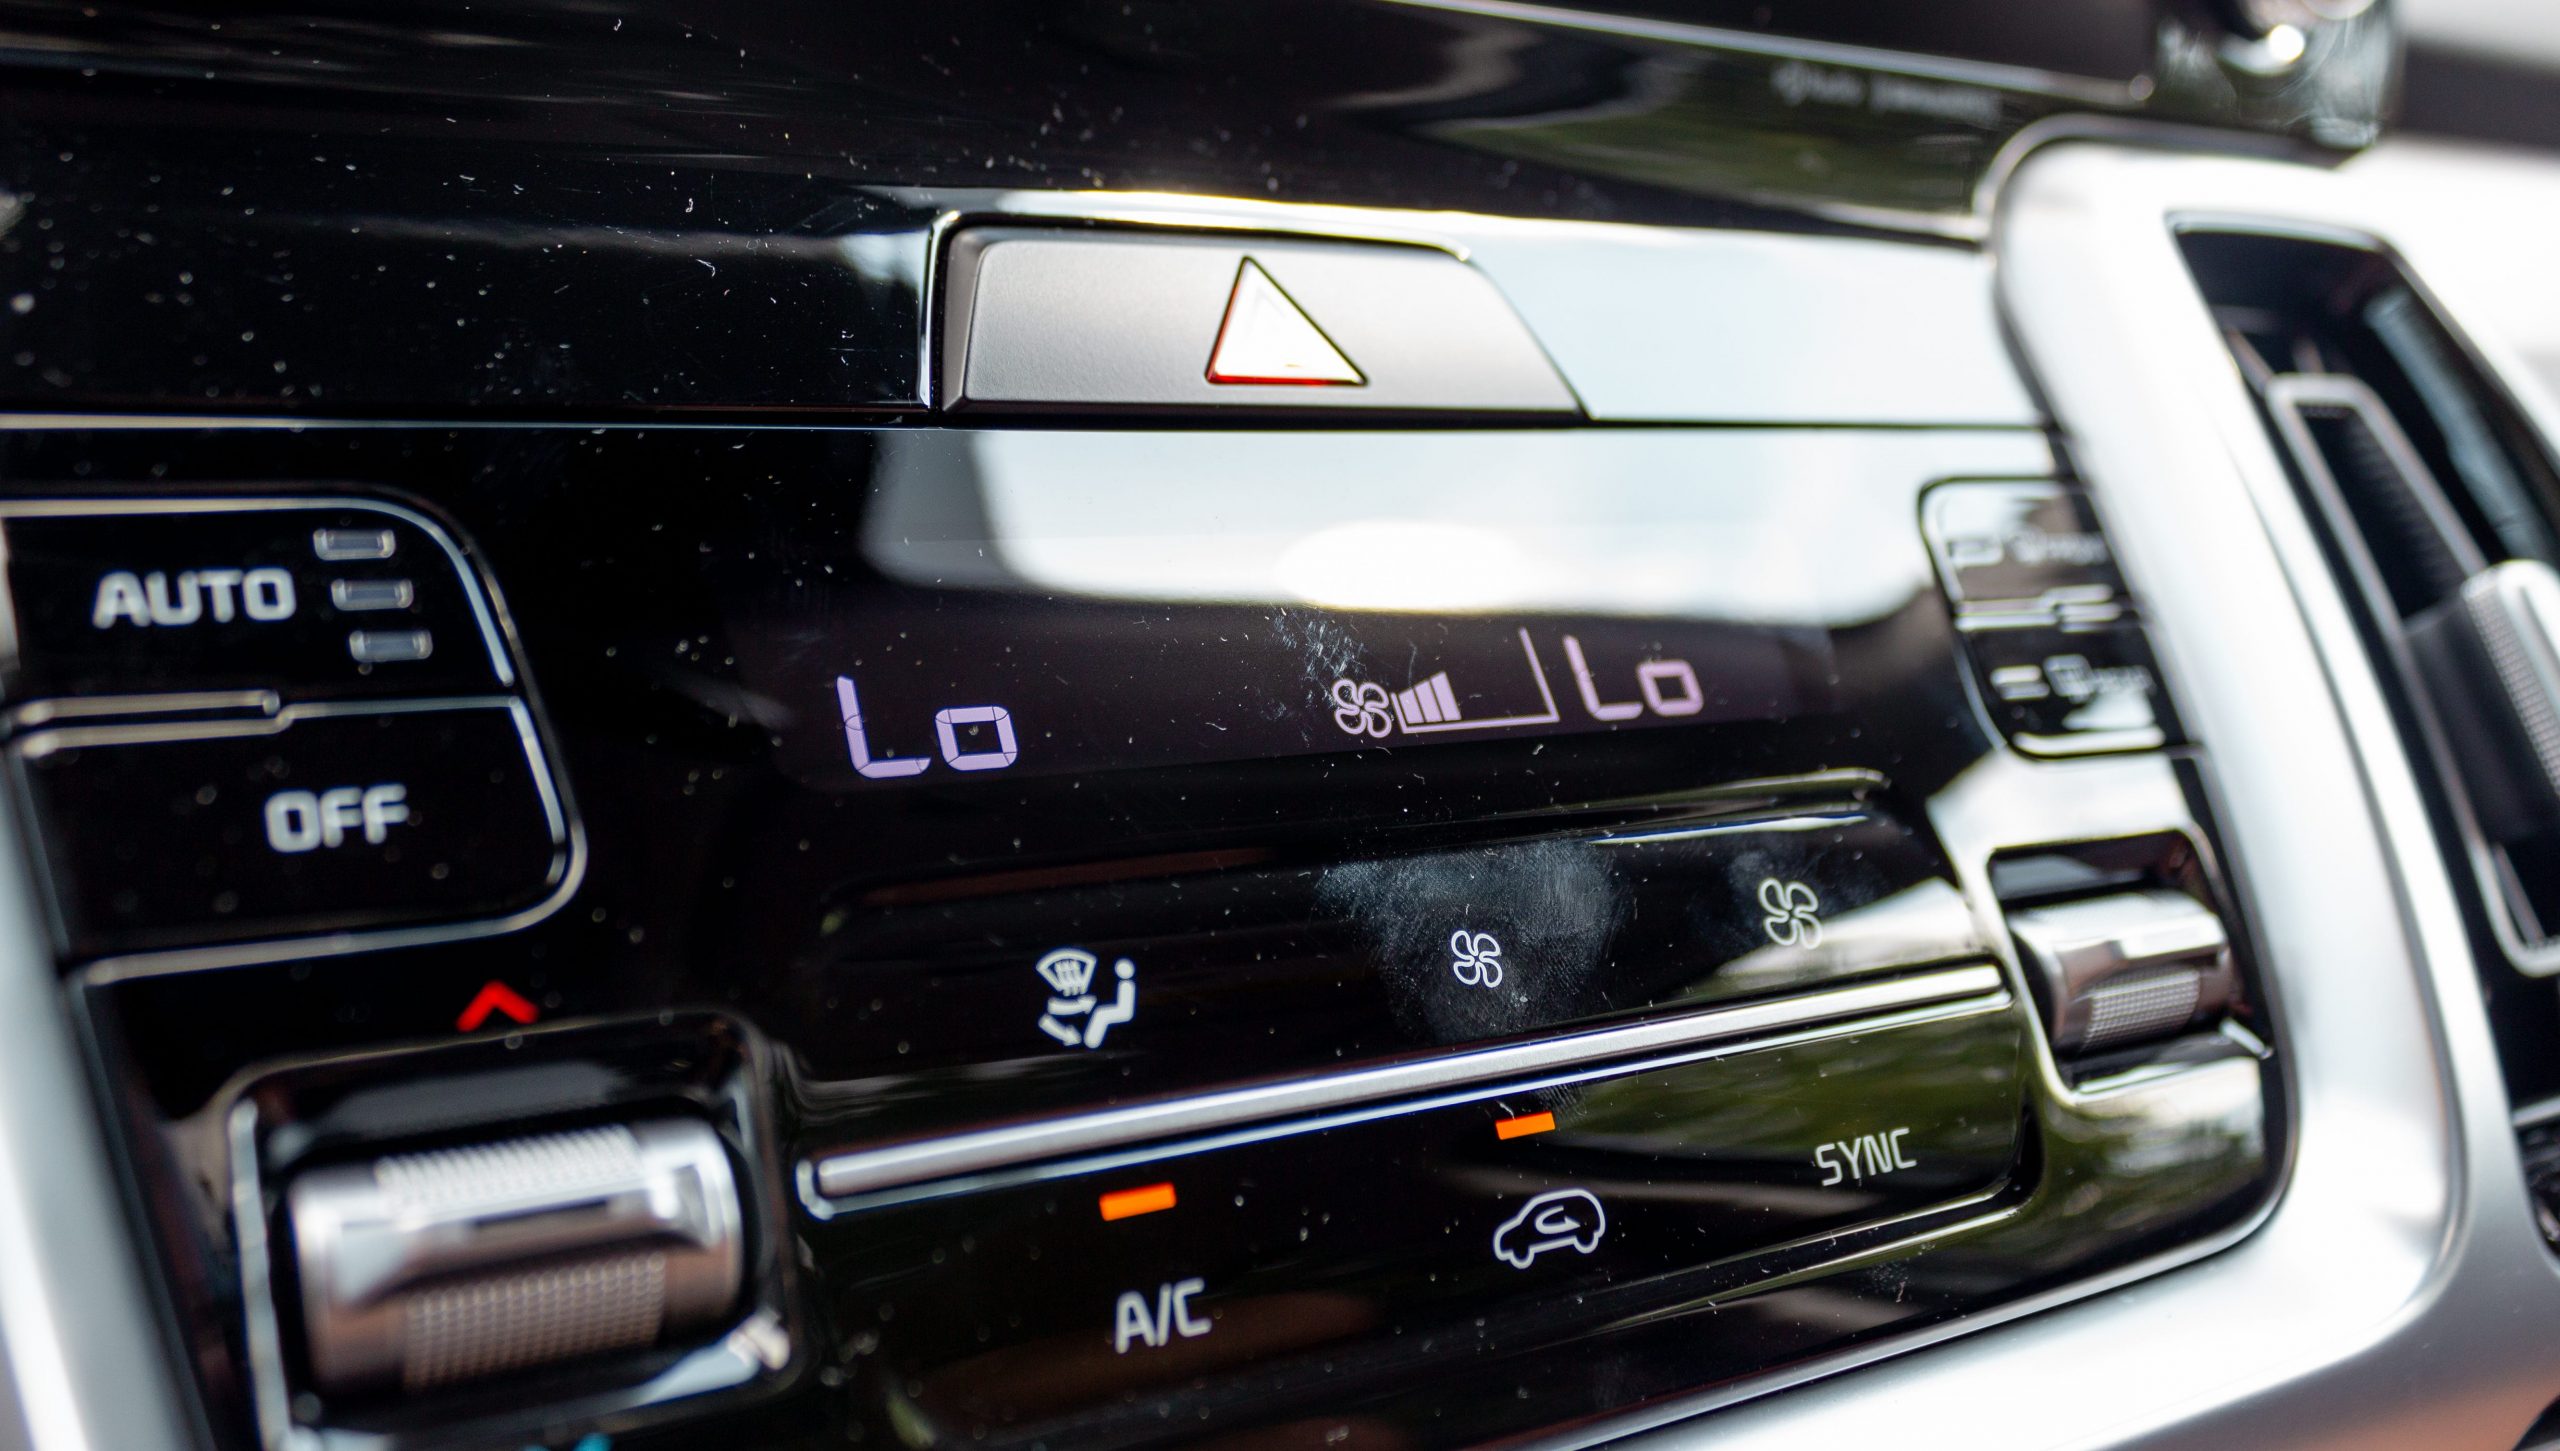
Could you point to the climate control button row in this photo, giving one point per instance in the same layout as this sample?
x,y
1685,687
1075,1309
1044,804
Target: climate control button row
x,y
1498,1220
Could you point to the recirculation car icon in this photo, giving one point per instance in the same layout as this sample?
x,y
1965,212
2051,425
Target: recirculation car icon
x,y
1558,1219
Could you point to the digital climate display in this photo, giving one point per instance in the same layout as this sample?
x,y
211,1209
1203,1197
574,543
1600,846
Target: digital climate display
x,y
1042,686
1015,605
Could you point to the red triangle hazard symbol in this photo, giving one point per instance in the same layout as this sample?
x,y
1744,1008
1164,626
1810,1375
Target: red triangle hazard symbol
x,y
1267,338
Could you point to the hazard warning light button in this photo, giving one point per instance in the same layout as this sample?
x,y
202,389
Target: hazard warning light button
x,y
1148,321
1268,338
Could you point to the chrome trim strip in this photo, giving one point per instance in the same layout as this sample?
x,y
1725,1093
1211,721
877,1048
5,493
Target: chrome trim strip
x,y
41,743
258,1280
863,1171
82,707
822,1208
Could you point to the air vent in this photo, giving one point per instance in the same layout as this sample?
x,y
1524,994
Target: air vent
x,y
2437,502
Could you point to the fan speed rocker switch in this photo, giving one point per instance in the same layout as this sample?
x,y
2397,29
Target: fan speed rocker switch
x,y
436,1269
2125,968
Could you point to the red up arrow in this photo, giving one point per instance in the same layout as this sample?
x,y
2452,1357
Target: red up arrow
x,y
496,997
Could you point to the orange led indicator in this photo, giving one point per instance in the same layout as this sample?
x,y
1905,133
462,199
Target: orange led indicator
x,y
1130,1203
1523,1126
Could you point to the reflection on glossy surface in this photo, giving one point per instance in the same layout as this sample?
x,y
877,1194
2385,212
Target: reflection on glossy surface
x,y
430,206
1709,575
1640,524
1758,327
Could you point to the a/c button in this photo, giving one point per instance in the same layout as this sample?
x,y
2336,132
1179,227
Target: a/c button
x,y
335,820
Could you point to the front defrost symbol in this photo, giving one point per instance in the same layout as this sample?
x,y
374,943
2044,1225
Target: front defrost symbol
x,y
1069,972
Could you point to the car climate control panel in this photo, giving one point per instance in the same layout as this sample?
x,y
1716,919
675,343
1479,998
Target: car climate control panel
x,y
978,939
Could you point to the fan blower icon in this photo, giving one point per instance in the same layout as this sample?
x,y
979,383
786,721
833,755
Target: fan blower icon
x,y
1790,913
1069,972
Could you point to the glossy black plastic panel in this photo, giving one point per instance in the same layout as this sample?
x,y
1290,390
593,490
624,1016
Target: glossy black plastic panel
x,y
656,577
546,211
245,267
1092,996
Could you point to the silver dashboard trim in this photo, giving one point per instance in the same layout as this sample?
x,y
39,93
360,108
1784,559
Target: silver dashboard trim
x,y
864,1171
1047,319
83,1362
2403,1253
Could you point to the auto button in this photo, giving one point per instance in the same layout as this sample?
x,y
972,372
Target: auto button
x,y
240,600
327,819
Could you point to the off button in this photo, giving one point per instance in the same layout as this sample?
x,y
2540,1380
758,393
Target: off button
x,y
331,819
